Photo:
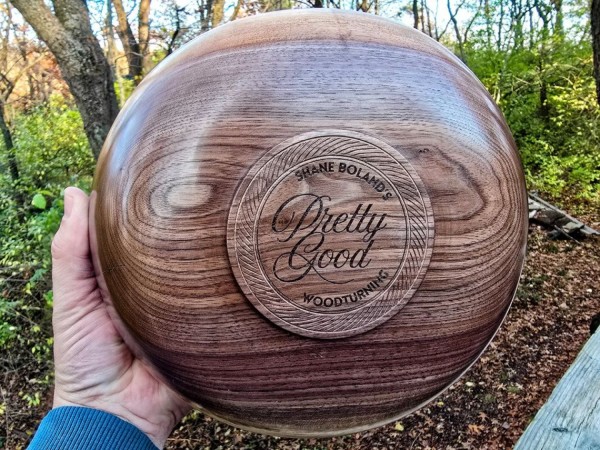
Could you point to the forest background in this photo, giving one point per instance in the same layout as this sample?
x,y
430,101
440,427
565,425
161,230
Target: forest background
x,y
67,66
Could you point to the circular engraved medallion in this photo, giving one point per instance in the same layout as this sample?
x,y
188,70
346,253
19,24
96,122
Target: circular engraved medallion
x,y
330,233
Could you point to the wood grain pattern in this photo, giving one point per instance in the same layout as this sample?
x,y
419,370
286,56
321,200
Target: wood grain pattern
x,y
570,419
175,169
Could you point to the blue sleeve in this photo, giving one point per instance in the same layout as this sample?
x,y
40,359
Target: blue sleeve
x,y
78,428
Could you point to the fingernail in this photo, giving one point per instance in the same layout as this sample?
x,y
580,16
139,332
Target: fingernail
x,y
68,205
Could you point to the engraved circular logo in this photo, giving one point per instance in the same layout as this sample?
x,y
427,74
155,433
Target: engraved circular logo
x,y
330,233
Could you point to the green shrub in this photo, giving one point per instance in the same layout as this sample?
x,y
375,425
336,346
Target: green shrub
x,y
52,152
559,141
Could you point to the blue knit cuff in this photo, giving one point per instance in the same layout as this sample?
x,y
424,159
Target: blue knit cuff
x,y
78,428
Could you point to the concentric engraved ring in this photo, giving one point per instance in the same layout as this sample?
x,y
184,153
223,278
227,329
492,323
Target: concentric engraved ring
x,y
330,233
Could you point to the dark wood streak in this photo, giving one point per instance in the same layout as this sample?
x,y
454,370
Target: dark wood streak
x,y
191,132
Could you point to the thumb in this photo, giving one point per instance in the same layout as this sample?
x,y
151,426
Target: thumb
x,y
71,240
71,265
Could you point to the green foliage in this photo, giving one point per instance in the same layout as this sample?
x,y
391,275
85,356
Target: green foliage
x,y
123,89
51,152
39,201
9,328
547,94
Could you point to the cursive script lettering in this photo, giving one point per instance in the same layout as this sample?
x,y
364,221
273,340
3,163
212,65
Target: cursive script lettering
x,y
306,221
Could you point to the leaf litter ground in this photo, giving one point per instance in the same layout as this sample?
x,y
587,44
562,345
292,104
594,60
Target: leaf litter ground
x,y
488,408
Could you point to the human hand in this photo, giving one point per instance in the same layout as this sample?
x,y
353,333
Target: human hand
x,y
94,367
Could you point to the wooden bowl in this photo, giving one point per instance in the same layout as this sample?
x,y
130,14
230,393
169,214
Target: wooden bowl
x,y
310,222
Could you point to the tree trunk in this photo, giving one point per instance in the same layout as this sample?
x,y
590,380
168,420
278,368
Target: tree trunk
x,y
596,44
457,32
516,20
9,147
429,32
415,10
176,32
236,10
532,29
83,65
111,52
488,23
559,30
544,108
13,165
130,44
499,43
144,34
205,12
110,38
217,12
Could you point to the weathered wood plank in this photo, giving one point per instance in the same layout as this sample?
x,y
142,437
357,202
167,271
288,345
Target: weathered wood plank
x,y
549,215
570,419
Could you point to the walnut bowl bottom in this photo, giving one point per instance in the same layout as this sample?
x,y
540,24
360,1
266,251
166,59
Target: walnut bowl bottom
x,y
309,223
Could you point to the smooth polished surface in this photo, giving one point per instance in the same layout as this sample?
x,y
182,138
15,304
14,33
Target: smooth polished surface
x,y
310,222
